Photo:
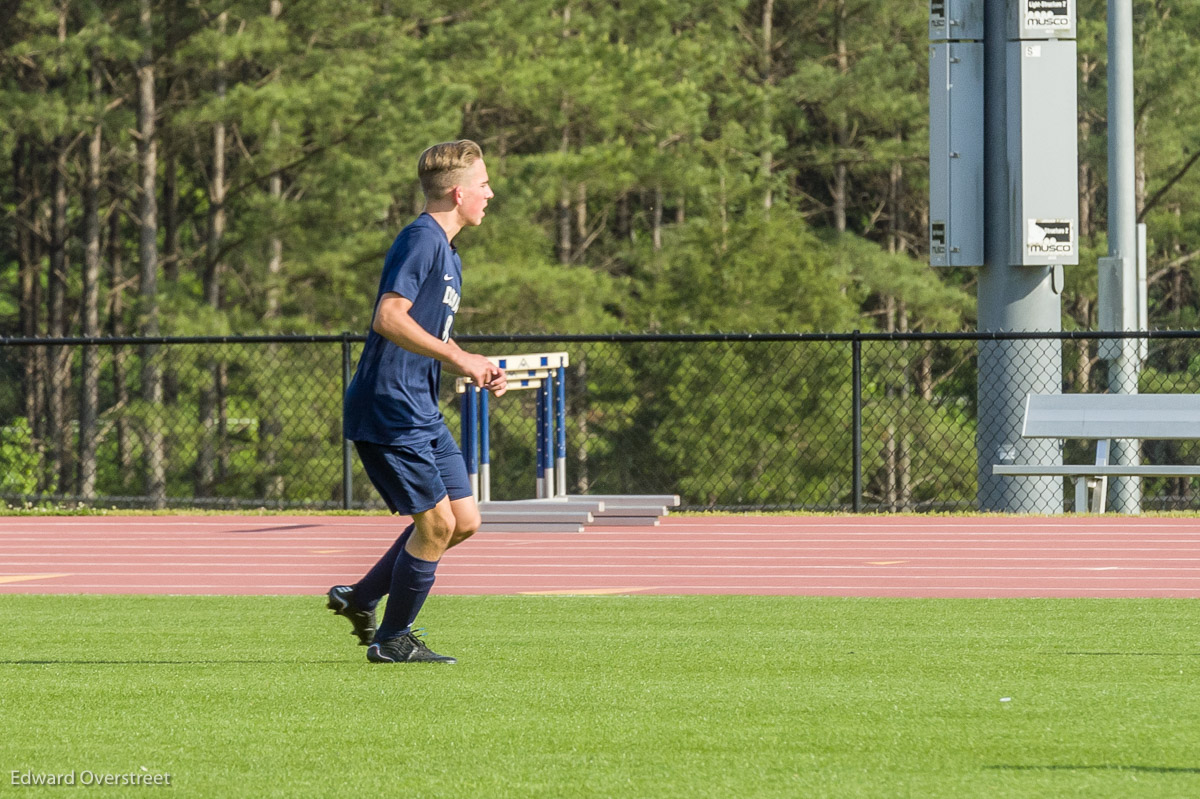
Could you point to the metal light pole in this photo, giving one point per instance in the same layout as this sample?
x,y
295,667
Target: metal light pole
x,y
1118,294
1012,297
1004,196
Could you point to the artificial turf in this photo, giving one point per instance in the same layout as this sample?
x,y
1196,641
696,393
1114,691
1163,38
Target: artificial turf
x,y
608,697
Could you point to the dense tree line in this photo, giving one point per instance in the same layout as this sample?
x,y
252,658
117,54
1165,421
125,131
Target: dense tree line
x,y
240,166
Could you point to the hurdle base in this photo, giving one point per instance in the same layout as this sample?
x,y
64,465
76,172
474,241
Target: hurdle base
x,y
529,527
593,510
626,521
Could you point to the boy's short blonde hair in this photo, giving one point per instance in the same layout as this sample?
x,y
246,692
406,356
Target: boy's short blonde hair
x,y
440,168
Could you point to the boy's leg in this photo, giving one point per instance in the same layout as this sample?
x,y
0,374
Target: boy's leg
x,y
450,521
375,583
414,575
466,519
432,476
415,569
453,469
358,602
392,471
406,478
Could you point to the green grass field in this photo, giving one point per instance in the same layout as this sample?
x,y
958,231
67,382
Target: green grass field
x,y
608,697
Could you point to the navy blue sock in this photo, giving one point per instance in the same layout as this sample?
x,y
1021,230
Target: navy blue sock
x,y
411,582
371,588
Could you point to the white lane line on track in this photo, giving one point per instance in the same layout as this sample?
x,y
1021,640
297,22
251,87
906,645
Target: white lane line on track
x,y
149,547
839,523
799,579
802,554
667,527
599,539
194,559
464,585
192,564
856,590
1120,558
220,589
679,527
588,538
665,546
484,561
918,520
839,566
93,540
809,574
238,522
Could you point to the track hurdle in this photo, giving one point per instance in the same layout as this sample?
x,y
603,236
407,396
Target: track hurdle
x,y
545,373
553,510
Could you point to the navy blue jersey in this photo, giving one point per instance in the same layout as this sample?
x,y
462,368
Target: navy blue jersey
x,y
393,398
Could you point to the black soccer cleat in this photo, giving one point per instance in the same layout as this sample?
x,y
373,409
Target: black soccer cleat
x,y
407,648
363,620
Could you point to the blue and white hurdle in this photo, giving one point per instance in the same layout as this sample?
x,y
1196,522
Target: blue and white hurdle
x,y
552,510
545,373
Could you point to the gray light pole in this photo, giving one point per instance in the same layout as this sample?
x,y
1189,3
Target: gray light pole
x,y
1118,300
1012,297
1003,178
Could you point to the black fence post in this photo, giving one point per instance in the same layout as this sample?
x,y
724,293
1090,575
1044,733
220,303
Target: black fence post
x,y
347,474
856,425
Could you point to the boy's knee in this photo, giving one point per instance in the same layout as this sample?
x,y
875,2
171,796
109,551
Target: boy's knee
x,y
436,528
466,524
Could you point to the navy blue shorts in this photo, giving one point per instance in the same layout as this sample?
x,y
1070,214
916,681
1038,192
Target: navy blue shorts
x,y
413,478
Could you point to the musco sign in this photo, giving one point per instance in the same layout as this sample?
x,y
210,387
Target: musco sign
x,y
1050,237
937,239
1047,14
937,17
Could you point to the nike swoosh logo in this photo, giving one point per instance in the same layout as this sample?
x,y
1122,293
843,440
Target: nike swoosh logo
x,y
447,277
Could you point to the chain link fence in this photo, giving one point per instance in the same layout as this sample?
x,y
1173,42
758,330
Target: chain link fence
x,y
839,422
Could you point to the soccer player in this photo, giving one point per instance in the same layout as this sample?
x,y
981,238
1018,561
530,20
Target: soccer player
x,y
391,406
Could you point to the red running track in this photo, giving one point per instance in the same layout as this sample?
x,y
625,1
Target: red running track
x,y
902,556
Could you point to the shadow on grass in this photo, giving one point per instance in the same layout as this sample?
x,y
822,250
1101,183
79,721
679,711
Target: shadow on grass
x,y
1133,654
1105,767
274,662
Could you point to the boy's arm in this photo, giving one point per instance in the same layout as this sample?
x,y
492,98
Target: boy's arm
x,y
393,322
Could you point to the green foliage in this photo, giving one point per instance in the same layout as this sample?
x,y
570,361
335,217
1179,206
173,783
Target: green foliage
x,y
673,167
18,460
799,414
626,144
739,278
